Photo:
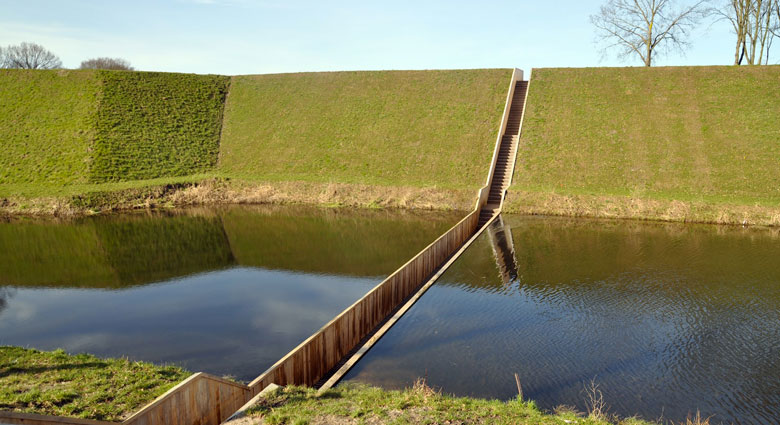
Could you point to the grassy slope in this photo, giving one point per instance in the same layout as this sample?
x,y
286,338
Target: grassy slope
x,y
693,134
46,126
394,128
429,133
153,124
350,404
55,383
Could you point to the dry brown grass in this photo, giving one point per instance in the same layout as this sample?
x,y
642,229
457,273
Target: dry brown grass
x,y
696,420
594,402
421,389
334,194
545,203
220,192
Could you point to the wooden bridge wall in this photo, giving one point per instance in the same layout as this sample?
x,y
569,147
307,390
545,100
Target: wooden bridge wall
x,y
315,357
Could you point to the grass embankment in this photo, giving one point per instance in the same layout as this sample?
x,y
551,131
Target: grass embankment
x,y
75,140
395,138
152,124
84,386
681,144
388,128
46,126
56,383
420,404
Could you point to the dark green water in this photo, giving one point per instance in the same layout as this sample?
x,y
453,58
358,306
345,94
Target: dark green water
x,y
665,318
226,291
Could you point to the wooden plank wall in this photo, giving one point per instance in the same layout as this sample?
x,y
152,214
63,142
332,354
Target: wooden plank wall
x,y
315,357
201,399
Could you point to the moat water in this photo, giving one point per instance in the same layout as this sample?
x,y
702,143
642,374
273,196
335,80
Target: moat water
x,y
226,291
666,319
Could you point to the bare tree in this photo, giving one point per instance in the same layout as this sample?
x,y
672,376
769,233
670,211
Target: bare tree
x,y
106,63
755,23
30,56
646,28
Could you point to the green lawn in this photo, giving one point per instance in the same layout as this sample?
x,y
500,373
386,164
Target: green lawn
x,y
388,128
57,383
702,135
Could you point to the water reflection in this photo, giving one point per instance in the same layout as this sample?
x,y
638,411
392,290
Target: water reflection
x,y
225,291
5,295
667,318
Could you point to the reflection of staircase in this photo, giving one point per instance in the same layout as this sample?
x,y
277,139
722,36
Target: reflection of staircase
x,y
500,235
505,162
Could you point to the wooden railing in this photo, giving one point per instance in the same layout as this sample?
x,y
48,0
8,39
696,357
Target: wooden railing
x,y
517,75
320,353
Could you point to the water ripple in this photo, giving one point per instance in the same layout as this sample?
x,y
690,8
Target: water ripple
x,y
667,319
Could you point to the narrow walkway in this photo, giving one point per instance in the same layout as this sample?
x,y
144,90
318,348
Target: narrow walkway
x,y
507,152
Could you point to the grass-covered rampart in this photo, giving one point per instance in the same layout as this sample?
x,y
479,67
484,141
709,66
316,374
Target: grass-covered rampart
x,y
678,143
386,128
47,125
64,129
96,140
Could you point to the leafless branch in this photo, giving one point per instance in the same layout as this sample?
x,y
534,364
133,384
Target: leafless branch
x,y
30,56
755,23
106,63
645,28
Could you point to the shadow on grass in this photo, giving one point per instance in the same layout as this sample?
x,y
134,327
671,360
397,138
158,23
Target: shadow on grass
x,y
331,395
40,369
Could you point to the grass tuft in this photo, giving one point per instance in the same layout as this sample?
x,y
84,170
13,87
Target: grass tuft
x,y
420,404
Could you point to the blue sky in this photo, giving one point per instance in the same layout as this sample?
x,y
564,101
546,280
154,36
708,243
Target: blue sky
x,y
268,36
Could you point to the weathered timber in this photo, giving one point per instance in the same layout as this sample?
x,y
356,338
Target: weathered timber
x,y
201,399
320,353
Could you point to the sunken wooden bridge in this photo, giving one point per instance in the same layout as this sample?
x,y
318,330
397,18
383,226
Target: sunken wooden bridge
x,y
322,359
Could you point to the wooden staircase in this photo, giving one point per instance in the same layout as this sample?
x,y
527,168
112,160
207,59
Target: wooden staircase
x,y
507,152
